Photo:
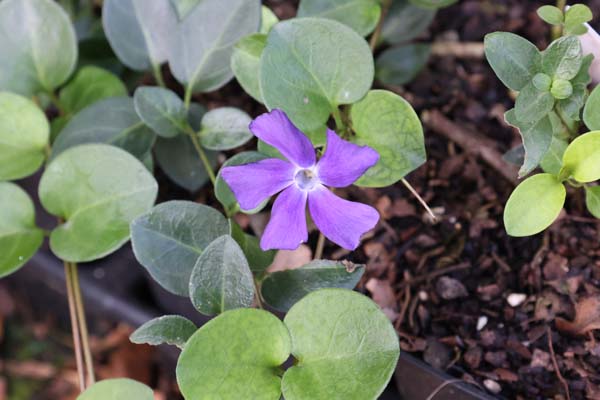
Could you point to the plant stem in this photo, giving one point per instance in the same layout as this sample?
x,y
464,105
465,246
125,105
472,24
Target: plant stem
x,y
320,246
385,7
202,155
557,30
56,102
187,99
339,121
85,341
156,71
74,327
419,198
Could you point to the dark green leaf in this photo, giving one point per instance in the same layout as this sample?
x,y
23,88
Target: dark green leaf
x,y
360,15
169,329
537,137
400,65
533,105
433,4
405,21
161,109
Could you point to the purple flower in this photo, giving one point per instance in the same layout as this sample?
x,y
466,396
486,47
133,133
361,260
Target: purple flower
x,y
303,179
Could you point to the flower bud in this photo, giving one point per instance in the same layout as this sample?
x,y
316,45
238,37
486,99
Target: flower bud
x,y
542,82
561,89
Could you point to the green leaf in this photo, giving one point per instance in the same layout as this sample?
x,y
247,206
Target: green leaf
x,y
258,259
140,31
184,7
225,128
388,124
575,16
245,63
221,279
400,65
117,389
405,22
345,346
581,158
537,137
330,65
20,238
552,161
514,59
24,134
282,289
222,191
532,104
97,190
591,112
169,329
592,200
161,109
433,4
38,46
110,121
203,44
360,15
551,14
167,241
90,85
268,20
251,344
534,205
563,58
561,89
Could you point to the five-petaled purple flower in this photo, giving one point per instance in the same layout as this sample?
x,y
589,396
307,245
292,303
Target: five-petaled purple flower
x,y
303,179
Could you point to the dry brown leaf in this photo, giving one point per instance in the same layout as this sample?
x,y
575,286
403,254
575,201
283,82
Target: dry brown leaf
x,y
587,317
382,293
291,259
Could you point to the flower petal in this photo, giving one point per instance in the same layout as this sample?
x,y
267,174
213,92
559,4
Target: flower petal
x,y
341,221
344,162
287,227
276,129
253,183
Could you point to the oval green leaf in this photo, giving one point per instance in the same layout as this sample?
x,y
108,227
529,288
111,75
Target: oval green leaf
x,y
245,63
221,279
109,121
387,123
330,65
168,329
360,15
24,135
534,205
225,128
551,14
592,200
117,389
140,31
97,190
345,346
563,58
38,46
282,289
252,346
433,4
582,157
161,109
591,112
537,138
20,238
532,104
405,21
168,240
400,65
204,40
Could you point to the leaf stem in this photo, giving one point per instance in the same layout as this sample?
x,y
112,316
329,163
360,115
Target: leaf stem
x,y
74,327
386,4
202,154
85,341
320,246
557,30
419,198
158,76
187,99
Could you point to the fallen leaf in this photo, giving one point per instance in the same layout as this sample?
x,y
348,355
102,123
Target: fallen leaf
x,y
291,259
587,317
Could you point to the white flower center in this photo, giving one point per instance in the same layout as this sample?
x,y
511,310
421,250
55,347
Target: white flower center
x,y
306,179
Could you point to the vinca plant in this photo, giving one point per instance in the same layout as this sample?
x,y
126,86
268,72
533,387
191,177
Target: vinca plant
x,y
553,106
82,121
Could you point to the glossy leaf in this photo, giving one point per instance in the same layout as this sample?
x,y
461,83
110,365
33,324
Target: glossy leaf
x,y
97,190
532,104
563,58
581,158
140,31
551,14
110,121
221,279
222,191
388,124
252,344
245,63
37,44
592,200
268,20
204,40
514,59
24,135
591,112
340,69
405,22
168,329
161,109
537,137
168,240
400,65
360,15
534,205
90,85
20,238
345,346
117,389
282,289
225,128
